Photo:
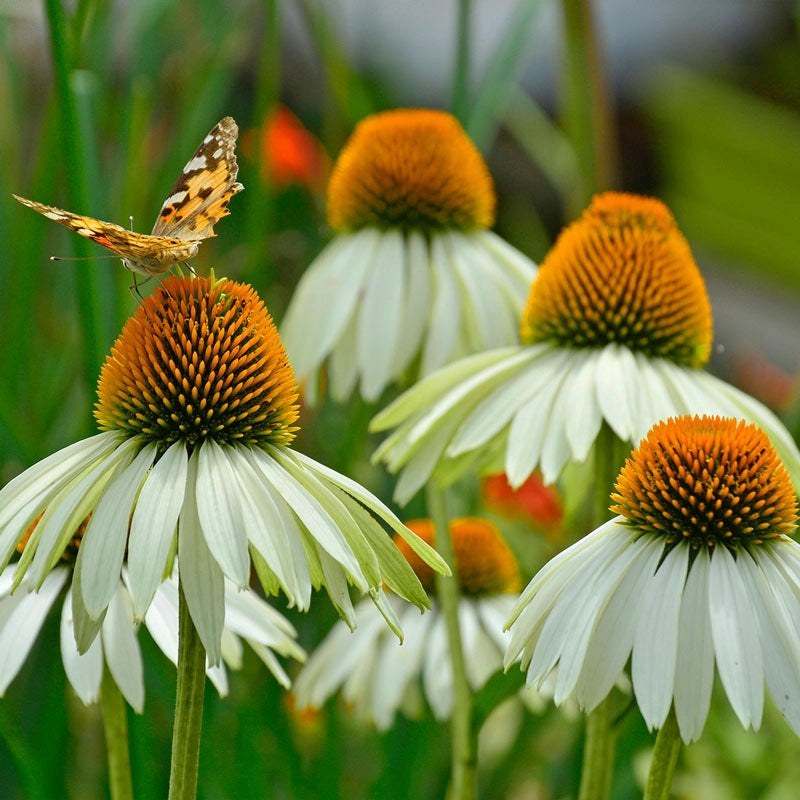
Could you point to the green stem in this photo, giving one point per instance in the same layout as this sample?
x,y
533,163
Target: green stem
x,y
91,306
600,741
587,110
460,103
188,708
665,758
115,724
463,784
598,752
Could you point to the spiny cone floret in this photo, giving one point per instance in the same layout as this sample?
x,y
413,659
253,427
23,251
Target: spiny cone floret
x,y
622,273
484,561
707,480
200,359
410,169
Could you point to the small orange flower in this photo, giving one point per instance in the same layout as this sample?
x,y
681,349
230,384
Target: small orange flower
x,y
290,153
534,502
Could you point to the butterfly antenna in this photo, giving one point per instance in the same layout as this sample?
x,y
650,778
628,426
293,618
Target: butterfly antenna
x,y
80,258
130,220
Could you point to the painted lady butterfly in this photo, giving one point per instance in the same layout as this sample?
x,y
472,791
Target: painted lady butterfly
x,y
198,200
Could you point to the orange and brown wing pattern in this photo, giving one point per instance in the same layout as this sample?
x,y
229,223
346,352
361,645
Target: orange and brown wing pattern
x,y
149,255
200,196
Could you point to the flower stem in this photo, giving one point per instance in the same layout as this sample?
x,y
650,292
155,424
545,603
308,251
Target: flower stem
x,y
586,106
463,783
460,104
115,724
188,708
598,753
665,758
599,745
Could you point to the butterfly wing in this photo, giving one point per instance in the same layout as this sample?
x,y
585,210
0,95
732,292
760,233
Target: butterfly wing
x,y
200,196
149,255
111,236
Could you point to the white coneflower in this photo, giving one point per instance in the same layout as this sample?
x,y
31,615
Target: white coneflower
x,y
616,330
198,401
23,613
697,570
380,676
413,271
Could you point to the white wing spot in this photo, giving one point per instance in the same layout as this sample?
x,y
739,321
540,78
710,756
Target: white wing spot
x,y
175,198
86,232
217,153
198,162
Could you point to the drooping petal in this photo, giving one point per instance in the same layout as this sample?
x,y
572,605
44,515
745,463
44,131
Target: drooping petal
x,y
380,315
121,648
200,576
694,670
734,631
153,525
219,508
84,671
655,647
103,545
22,624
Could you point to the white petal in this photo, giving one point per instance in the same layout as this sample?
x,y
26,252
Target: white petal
x,y
37,484
518,267
774,603
420,396
84,672
121,649
612,640
398,665
380,315
735,634
103,545
656,644
153,524
488,320
445,318
337,656
618,399
23,623
272,530
582,408
70,508
342,365
200,575
325,299
219,506
417,301
694,671
311,514
496,410
437,673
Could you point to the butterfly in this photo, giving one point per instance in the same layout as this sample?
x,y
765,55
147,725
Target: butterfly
x,y
197,201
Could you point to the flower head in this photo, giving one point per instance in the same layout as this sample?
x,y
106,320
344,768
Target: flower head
x,y
623,273
413,270
23,613
539,505
198,405
378,676
413,169
289,152
697,570
615,331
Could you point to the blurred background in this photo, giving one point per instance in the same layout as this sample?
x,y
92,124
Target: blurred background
x,y
101,104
